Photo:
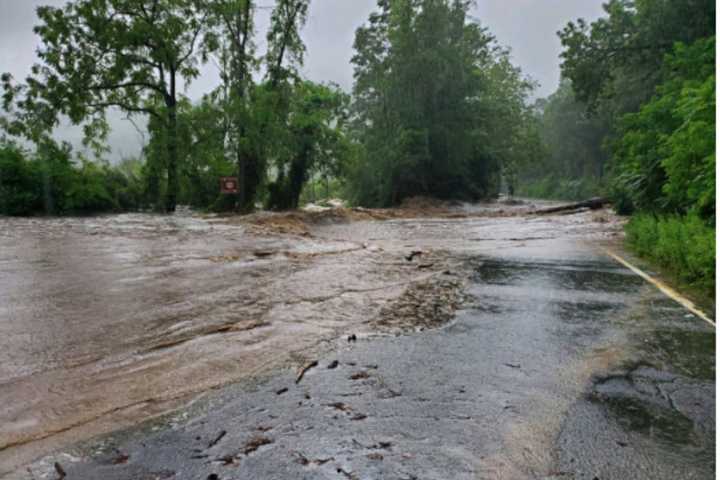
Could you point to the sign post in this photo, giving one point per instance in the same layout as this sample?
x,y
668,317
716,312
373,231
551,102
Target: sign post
x,y
229,185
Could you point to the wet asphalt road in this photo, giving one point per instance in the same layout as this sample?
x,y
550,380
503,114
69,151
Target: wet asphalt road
x,y
562,365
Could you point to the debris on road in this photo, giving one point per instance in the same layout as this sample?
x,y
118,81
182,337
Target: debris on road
x,y
343,407
121,458
60,471
303,460
359,375
217,439
425,304
413,254
307,367
348,475
254,443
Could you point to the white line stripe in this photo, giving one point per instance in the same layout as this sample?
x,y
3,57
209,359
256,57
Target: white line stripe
x,y
663,288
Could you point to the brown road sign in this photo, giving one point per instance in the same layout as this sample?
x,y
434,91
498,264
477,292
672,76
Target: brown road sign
x,y
228,185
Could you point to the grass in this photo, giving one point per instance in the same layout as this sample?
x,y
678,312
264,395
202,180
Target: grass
x,y
682,245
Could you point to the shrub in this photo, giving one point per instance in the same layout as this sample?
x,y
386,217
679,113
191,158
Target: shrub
x,y
684,245
50,182
20,183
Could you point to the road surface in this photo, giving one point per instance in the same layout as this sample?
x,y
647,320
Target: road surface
x,y
559,364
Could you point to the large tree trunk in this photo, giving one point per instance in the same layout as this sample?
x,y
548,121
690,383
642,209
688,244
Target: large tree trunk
x,y
172,178
298,177
252,174
592,204
242,189
172,185
246,196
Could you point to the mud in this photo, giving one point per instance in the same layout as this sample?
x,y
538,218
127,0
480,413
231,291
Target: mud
x,y
112,320
528,334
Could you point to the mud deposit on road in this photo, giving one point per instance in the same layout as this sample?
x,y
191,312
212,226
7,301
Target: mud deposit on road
x,y
465,344
107,321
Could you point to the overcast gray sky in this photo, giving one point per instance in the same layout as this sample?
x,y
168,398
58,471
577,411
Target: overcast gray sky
x,y
528,27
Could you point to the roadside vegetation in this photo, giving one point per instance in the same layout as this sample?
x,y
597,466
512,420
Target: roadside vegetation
x,y
634,120
684,245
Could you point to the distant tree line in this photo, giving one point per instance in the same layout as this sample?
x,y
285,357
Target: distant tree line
x,y
263,123
437,108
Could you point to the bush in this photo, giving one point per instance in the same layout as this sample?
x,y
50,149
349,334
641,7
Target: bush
x,y
665,153
20,183
49,182
684,245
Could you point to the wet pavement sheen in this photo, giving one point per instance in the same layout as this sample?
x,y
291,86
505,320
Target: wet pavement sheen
x,y
561,365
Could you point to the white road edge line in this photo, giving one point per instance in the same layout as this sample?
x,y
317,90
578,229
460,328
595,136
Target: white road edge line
x,y
662,287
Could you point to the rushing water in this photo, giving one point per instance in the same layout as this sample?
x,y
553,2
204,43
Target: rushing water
x,y
105,321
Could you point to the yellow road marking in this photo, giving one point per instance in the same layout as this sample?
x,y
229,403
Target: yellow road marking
x,y
662,287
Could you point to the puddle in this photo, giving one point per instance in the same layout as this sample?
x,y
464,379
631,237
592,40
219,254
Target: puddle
x,y
688,352
641,404
566,275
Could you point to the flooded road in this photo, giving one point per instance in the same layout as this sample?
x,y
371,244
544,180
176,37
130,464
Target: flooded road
x,y
560,363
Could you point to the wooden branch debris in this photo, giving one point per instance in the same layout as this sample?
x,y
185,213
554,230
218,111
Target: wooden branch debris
x,y
305,369
592,204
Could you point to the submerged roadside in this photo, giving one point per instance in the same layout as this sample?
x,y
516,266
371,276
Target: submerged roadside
x,y
540,314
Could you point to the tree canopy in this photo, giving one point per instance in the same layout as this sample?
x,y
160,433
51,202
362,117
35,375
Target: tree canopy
x,y
438,107
101,54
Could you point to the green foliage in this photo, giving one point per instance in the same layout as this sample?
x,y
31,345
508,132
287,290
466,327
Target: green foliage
x,y
88,193
49,182
20,183
439,109
649,67
572,162
100,54
201,156
615,62
319,189
684,245
665,156
689,151
283,38
315,141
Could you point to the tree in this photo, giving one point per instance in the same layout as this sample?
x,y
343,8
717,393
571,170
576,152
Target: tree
x,y
616,61
234,23
314,139
256,114
665,153
572,162
438,105
102,54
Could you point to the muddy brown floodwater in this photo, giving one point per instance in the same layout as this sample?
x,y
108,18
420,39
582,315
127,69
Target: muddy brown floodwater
x,y
108,321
